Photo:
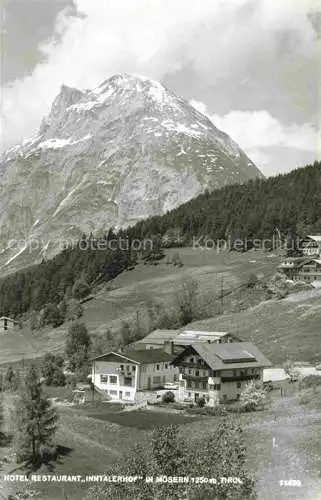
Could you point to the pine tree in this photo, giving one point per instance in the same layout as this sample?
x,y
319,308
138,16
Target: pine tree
x,y
77,346
35,420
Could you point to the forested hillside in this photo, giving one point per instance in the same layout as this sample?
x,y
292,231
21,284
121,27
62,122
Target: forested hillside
x,y
55,280
289,204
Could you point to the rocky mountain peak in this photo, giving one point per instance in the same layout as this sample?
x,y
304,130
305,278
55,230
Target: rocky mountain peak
x,y
110,156
66,97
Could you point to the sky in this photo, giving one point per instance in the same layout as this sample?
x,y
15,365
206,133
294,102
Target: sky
x,y
252,66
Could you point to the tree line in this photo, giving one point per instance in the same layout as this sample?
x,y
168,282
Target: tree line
x,y
289,203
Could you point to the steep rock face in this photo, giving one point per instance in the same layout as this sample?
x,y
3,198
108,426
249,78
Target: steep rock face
x,y
108,157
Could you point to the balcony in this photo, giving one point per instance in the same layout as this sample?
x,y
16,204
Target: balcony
x,y
241,378
195,378
187,364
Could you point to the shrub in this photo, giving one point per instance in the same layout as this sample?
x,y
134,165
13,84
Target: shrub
x,y
201,402
310,381
81,289
11,380
305,399
52,315
252,280
52,370
252,396
168,397
213,411
77,346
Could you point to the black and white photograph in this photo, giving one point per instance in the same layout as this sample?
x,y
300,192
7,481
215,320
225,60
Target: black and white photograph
x,y
160,249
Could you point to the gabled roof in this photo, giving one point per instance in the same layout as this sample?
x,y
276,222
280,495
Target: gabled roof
x,y
315,237
299,262
144,357
307,261
9,319
159,337
227,356
180,337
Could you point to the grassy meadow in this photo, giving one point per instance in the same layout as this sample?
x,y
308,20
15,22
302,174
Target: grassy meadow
x,y
132,290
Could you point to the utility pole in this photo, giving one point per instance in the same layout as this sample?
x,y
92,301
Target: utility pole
x,y
93,383
221,294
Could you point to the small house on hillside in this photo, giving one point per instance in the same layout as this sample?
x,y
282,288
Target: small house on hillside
x,y
125,375
179,339
311,246
218,372
7,324
302,269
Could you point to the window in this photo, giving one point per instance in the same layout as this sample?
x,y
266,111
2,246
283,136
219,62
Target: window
x,y
204,385
113,393
6,324
188,384
113,379
127,394
166,366
156,380
190,372
191,360
128,381
211,387
217,387
122,368
134,368
196,385
157,367
103,379
239,385
197,372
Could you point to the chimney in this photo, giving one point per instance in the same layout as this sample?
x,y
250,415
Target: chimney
x,y
169,346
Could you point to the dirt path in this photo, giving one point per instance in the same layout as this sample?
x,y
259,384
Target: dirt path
x,y
284,454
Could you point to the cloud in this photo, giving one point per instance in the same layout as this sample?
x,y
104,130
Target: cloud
x,y
256,132
157,37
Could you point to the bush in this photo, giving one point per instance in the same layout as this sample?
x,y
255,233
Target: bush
x,y
310,381
168,397
52,370
11,380
252,396
213,411
77,346
201,402
306,398
52,315
81,289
